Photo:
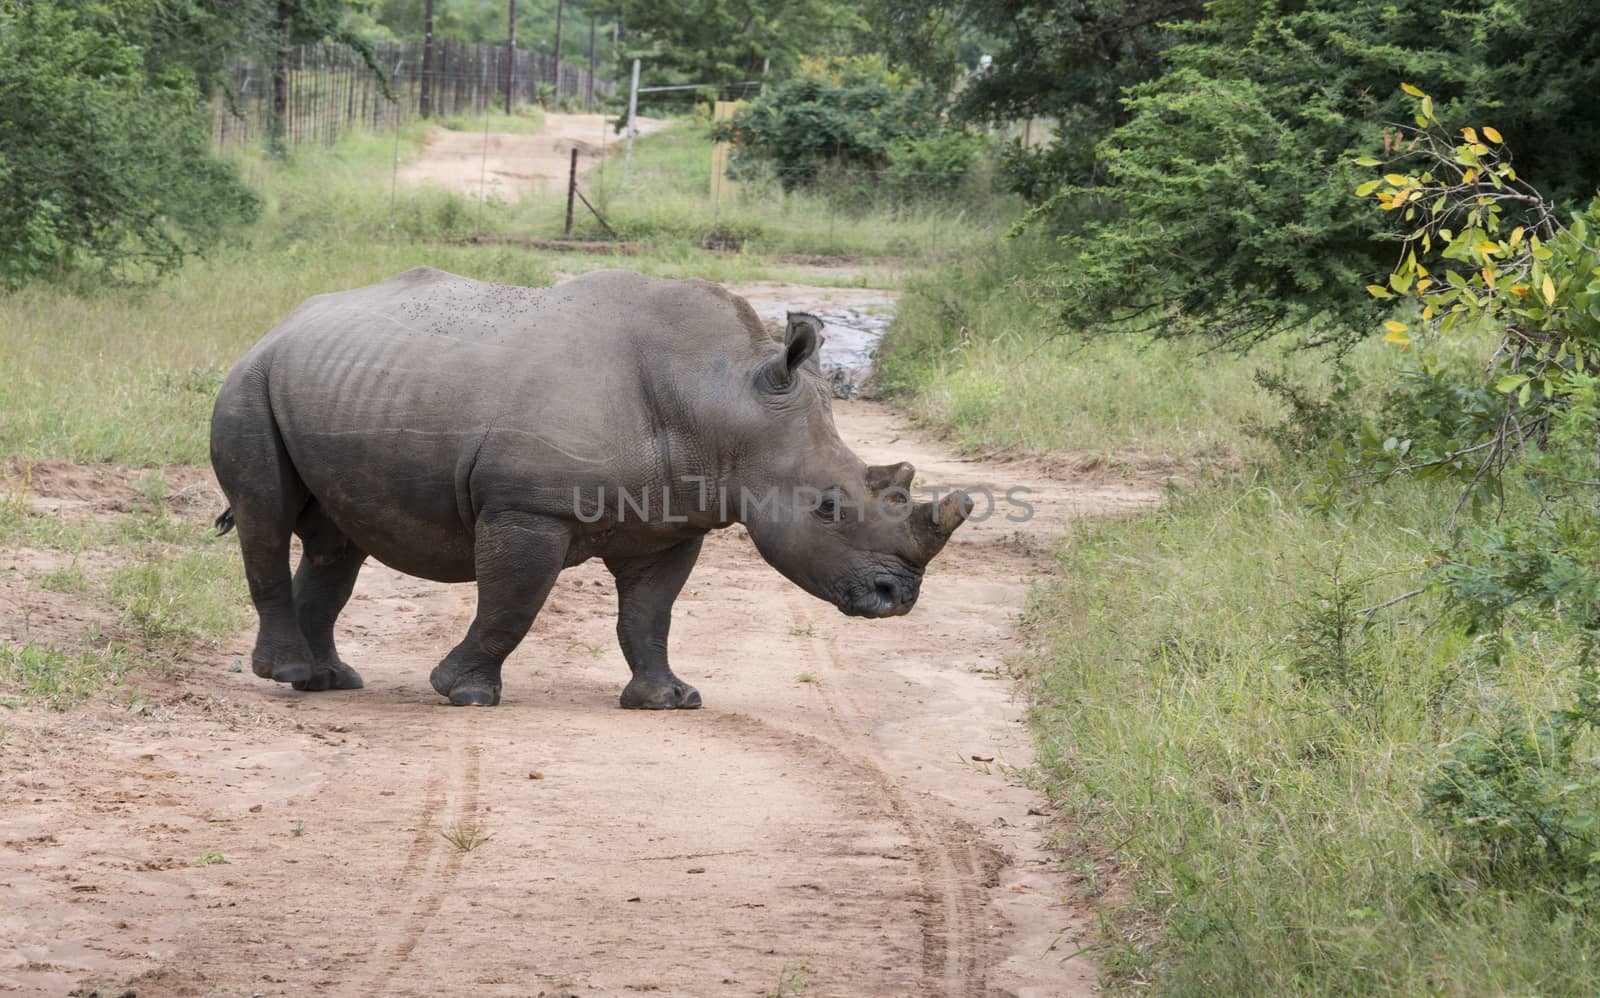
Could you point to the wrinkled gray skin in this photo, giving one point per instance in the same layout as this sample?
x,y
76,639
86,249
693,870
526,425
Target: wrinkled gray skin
x,y
442,425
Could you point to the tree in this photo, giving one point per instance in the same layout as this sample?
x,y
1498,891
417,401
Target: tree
x,y
1067,61
852,114
725,41
1225,208
104,160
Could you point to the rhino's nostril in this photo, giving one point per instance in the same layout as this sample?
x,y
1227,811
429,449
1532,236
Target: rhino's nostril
x,y
886,593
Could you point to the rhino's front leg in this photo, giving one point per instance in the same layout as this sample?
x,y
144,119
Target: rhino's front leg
x,y
517,557
646,588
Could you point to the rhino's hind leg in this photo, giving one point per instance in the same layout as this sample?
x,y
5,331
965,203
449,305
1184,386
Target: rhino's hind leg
x,y
329,565
517,558
267,497
646,589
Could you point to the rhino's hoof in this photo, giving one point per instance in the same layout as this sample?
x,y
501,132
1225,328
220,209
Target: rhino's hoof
x,y
474,696
462,686
281,662
340,677
283,672
655,695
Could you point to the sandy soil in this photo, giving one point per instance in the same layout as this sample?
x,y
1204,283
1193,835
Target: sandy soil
x,y
516,166
848,811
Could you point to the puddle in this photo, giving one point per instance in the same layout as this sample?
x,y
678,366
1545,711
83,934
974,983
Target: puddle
x,y
852,328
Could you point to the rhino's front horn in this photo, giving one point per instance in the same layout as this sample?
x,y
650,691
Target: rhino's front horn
x,y
937,523
953,512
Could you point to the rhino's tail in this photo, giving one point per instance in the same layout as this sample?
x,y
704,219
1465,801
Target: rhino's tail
x,y
224,522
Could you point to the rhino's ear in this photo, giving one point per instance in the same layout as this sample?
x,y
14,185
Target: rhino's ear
x,y
802,338
881,477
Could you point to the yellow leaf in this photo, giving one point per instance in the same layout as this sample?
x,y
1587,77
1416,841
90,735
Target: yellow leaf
x,y
1400,340
1488,276
1395,327
1423,284
1427,106
1492,135
1549,290
1519,289
1516,235
1395,179
1413,91
1470,175
1427,313
1378,291
1367,188
1486,247
1480,148
1469,134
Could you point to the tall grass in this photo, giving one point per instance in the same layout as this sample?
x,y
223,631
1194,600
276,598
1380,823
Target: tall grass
x,y
1212,700
976,354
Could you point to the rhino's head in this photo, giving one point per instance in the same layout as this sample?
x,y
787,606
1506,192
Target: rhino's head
x,y
843,531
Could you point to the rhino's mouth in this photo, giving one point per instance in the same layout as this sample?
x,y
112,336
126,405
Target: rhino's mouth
x,y
886,591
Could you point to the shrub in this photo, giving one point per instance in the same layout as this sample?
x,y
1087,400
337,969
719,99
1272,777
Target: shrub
x,y
933,163
849,115
1520,806
104,164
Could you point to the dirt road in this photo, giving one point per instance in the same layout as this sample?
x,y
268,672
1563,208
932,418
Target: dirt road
x,y
846,813
512,166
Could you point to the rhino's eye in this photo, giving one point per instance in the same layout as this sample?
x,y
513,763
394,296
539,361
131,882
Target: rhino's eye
x,y
828,507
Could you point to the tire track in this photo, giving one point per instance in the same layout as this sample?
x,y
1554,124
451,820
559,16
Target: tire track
x,y
954,873
431,862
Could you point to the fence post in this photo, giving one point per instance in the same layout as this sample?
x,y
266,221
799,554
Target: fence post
x,y
511,53
572,189
425,99
560,9
633,110
588,90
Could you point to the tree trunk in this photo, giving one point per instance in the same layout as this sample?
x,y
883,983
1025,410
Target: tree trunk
x,y
425,101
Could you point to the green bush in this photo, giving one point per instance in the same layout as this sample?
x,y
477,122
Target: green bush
x,y
1231,174
104,163
1520,804
935,163
853,118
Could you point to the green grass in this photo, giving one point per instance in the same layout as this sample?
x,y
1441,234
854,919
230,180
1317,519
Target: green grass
x,y
664,196
183,590
196,598
58,678
1261,769
129,376
975,355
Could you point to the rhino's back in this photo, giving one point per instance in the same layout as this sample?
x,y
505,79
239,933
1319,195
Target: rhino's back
x,y
387,396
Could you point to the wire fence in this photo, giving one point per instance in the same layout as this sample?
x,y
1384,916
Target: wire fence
x,y
328,90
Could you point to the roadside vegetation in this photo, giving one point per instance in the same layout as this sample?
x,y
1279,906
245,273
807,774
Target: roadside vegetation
x,y
1325,724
